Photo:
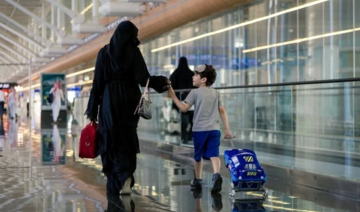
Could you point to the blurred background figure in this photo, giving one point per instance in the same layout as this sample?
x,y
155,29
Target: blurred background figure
x,y
181,78
56,104
2,102
27,109
11,104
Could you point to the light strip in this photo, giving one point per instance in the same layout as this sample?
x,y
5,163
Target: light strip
x,y
80,72
33,86
78,83
86,9
240,25
286,209
301,40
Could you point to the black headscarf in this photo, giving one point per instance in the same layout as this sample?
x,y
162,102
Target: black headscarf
x,y
183,64
123,44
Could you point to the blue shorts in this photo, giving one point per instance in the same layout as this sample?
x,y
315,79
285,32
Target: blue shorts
x,y
206,144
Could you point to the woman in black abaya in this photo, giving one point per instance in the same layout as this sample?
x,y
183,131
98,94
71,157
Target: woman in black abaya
x,y
120,68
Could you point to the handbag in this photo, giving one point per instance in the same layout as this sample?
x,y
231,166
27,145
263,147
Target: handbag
x,y
50,98
144,106
87,144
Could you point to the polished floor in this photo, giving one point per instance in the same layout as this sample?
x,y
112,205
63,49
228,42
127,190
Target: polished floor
x,y
39,171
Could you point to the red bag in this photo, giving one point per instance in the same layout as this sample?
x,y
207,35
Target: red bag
x,y
87,144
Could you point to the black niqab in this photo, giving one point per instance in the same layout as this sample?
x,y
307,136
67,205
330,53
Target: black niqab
x,y
181,78
122,46
183,64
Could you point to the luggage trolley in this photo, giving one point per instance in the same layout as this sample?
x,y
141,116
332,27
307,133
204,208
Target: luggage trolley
x,y
245,170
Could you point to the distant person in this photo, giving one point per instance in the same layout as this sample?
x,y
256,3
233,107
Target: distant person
x,y
57,97
2,102
28,109
181,78
206,133
11,104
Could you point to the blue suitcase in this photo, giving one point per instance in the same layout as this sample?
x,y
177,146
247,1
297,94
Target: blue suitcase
x,y
245,170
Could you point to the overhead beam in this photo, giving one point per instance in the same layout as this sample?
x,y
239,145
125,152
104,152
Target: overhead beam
x,y
12,51
17,44
20,35
11,58
45,41
76,17
60,32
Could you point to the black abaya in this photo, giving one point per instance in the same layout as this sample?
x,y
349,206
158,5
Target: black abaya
x,y
120,68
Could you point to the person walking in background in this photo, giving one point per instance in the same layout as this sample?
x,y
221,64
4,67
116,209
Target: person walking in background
x,y
181,78
206,131
2,102
57,97
28,109
119,69
11,104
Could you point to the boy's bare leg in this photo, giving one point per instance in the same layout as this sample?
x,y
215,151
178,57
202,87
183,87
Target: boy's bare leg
x,y
215,161
198,169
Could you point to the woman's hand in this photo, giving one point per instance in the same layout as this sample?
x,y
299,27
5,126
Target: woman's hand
x,y
159,83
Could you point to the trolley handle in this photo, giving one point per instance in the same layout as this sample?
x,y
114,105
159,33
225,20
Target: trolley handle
x,y
231,141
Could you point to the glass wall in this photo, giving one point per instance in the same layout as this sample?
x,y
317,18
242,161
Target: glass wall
x,y
267,42
278,42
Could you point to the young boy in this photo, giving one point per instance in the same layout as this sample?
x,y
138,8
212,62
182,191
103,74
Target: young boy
x,y
206,133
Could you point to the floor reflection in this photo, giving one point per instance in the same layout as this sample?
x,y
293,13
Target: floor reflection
x,y
123,203
216,201
53,145
48,179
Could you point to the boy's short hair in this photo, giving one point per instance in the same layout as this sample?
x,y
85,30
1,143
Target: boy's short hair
x,y
207,71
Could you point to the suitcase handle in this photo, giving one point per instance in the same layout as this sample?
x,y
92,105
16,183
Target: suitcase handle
x,y
231,141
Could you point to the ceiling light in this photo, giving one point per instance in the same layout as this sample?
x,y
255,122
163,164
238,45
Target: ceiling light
x,y
240,25
80,72
300,40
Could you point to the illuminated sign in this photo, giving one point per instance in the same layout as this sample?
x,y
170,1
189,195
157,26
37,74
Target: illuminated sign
x,y
7,85
4,85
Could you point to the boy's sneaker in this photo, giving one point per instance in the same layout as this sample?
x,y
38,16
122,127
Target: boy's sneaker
x,y
216,183
196,183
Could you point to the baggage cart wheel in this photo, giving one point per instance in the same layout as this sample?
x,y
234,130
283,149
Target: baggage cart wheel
x,y
232,192
232,201
232,206
265,195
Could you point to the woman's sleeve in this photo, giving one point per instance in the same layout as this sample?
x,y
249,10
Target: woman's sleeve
x,y
158,83
141,71
97,89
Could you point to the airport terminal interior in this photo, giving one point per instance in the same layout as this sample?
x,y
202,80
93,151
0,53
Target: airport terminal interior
x,y
287,72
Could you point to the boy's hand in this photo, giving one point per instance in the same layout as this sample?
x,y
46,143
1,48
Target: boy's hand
x,y
228,134
171,91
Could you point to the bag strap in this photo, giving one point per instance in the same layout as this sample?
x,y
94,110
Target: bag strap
x,y
146,90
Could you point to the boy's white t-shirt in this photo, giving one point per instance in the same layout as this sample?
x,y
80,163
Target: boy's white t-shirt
x,y
206,111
